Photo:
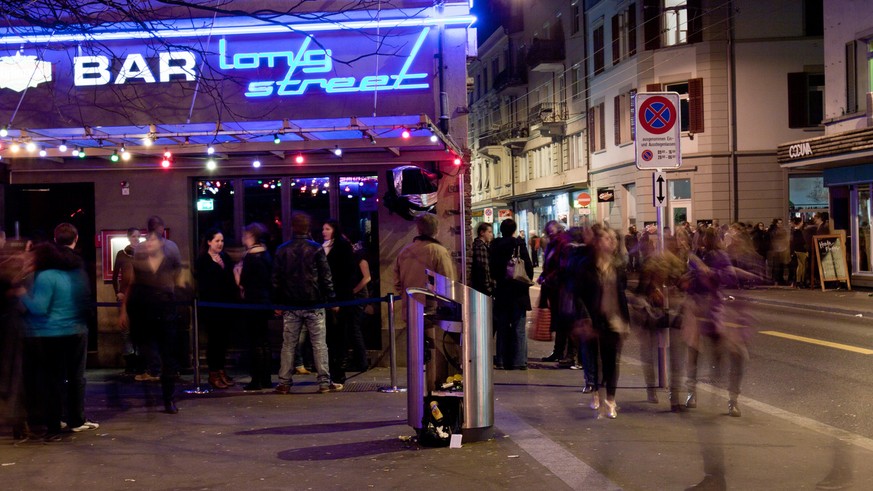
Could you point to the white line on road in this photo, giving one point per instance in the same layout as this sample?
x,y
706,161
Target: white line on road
x,y
829,344
557,459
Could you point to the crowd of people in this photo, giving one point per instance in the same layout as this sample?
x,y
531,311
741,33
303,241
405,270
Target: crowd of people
x,y
48,305
679,287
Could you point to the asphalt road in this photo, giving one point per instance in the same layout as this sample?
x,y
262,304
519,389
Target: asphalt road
x,y
830,384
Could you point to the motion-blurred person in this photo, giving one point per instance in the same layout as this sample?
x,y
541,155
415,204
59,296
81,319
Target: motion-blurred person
x,y
778,255
480,269
511,299
57,336
253,275
549,288
799,255
535,249
605,280
150,311
703,319
213,270
121,275
632,245
301,278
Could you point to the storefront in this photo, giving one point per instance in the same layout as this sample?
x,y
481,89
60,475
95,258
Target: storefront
x,y
220,122
834,173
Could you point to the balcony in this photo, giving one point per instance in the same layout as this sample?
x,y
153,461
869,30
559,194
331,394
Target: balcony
x,y
489,140
546,55
512,81
550,117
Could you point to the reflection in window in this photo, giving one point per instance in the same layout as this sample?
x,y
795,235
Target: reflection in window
x,y
262,203
214,205
312,196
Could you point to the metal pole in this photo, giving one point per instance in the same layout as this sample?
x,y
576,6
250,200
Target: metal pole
x,y
663,334
392,343
197,389
463,228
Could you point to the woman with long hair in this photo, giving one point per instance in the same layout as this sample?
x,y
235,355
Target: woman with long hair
x,y
345,272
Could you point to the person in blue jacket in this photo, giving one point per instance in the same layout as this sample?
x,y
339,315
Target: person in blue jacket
x,y
57,336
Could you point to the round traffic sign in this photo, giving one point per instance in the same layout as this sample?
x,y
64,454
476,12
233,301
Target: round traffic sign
x,y
584,199
657,115
647,155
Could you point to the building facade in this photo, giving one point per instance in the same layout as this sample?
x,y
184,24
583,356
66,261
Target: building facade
x,y
843,155
233,118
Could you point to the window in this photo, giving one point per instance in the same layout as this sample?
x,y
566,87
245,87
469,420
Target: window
x,y
680,188
851,77
869,66
675,21
596,128
495,67
805,99
671,22
690,102
624,34
576,81
598,49
576,14
623,121
813,17
630,192
485,84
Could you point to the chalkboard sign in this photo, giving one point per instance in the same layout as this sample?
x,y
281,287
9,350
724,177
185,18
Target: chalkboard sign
x,y
830,254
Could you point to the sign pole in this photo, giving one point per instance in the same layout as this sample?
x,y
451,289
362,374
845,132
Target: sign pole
x,y
663,334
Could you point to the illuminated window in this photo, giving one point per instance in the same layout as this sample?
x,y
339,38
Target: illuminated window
x,y
675,21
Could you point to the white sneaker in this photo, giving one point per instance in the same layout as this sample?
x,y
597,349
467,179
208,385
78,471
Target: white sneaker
x,y
87,425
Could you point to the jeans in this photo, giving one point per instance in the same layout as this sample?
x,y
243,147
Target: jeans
x,y
293,322
511,340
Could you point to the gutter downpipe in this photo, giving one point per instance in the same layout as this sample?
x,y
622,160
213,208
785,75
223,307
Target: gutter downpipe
x,y
732,117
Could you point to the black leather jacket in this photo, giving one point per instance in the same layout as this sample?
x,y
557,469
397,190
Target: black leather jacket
x,y
301,274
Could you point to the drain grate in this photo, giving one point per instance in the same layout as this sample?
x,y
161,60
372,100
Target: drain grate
x,y
362,386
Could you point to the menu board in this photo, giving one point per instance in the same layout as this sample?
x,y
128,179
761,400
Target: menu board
x,y
830,254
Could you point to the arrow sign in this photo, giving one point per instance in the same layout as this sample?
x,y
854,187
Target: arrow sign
x,y
659,190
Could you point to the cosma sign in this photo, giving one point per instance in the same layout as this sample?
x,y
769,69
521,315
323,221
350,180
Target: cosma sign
x,y
799,150
293,71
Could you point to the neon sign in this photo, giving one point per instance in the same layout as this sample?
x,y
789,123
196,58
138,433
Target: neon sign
x,y
172,65
318,61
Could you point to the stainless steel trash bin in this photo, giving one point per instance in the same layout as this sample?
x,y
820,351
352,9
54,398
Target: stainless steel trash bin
x,y
475,326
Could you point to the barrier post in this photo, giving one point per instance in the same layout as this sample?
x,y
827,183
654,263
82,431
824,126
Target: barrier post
x,y
197,388
392,343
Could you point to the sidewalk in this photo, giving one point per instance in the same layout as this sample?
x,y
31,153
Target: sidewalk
x,y
545,436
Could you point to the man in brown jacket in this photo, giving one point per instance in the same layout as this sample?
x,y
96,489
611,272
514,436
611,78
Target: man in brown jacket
x,y
425,252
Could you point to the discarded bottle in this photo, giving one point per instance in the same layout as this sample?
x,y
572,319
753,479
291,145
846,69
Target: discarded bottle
x,y
435,412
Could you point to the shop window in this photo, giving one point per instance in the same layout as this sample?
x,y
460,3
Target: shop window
x,y
624,34
596,128
805,99
807,194
597,43
312,196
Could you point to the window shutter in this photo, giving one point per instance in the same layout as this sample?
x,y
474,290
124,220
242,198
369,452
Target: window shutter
x,y
695,105
592,134
602,129
652,24
695,21
851,77
616,122
797,100
632,100
653,88
632,29
616,45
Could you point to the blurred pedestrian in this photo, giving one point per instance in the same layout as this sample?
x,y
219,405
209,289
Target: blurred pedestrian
x,y
121,275
150,309
549,281
57,336
511,298
253,275
213,270
359,360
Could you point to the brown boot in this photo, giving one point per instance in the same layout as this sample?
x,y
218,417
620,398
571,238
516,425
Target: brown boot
x,y
215,381
227,379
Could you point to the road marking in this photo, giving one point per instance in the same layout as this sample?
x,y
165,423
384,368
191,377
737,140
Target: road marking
x,y
560,461
846,347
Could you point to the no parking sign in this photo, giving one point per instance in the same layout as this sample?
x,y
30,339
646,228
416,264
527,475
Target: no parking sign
x,y
658,129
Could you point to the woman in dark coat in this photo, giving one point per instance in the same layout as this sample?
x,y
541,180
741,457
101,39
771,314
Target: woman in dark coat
x,y
253,274
346,274
215,283
511,299
603,294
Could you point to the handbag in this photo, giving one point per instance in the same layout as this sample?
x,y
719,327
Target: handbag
x,y
515,270
541,329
